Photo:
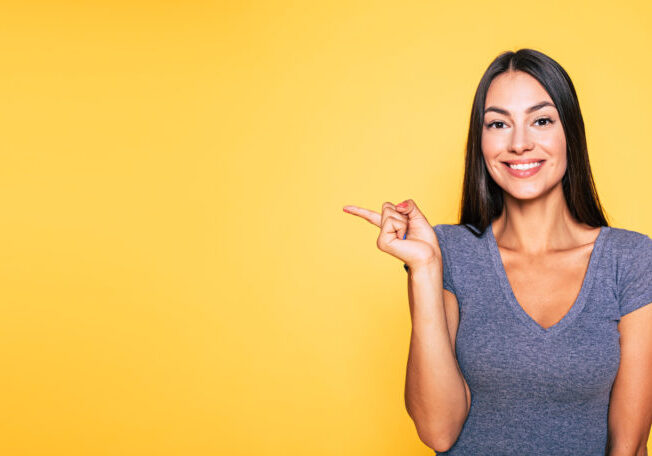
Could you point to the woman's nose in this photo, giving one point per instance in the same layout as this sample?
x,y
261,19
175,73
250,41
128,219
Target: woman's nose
x,y
521,141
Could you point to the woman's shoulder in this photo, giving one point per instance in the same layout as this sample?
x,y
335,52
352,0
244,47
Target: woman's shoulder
x,y
630,255
622,239
629,252
458,231
459,239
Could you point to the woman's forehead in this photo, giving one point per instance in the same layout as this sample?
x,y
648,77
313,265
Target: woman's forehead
x,y
515,90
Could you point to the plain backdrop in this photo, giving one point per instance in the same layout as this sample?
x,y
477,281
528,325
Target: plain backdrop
x,y
177,276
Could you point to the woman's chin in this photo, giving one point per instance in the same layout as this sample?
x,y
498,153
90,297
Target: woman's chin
x,y
525,194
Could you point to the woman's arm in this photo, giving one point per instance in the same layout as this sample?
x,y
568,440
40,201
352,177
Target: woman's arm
x,y
630,406
437,397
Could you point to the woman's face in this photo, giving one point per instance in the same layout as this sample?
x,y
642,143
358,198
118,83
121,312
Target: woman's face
x,y
519,128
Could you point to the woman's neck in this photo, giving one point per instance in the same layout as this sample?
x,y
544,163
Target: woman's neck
x,y
539,225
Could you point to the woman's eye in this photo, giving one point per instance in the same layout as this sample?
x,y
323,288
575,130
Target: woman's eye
x,y
548,121
495,123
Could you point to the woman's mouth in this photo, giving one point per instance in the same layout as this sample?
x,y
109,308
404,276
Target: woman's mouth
x,y
524,169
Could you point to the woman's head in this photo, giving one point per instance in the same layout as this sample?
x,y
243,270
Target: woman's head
x,y
526,110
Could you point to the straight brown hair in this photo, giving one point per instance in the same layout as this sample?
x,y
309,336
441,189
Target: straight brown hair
x,y
482,198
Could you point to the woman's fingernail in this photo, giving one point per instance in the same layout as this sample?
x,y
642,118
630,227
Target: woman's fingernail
x,y
403,204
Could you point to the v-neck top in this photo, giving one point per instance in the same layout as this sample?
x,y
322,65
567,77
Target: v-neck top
x,y
577,305
535,390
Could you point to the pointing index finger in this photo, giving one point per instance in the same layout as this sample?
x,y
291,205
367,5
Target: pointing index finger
x,y
370,216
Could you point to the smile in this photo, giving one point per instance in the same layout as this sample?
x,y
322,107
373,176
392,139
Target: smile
x,y
527,166
524,169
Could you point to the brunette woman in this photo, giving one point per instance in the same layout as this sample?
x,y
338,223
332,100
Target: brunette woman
x,y
531,317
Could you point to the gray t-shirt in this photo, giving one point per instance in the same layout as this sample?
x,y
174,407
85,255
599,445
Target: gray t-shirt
x,y
537,391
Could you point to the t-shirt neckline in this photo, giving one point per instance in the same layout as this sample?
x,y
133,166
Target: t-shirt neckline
x,y
580,300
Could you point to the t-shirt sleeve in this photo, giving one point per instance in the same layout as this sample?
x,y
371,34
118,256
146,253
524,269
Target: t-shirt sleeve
x,y
447,279
635,282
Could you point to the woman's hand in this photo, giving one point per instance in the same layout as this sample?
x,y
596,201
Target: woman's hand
x,y
405,233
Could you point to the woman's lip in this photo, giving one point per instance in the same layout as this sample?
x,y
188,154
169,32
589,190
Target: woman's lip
x,y
522,173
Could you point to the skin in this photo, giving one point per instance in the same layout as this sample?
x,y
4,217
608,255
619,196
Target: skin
x,y
545,252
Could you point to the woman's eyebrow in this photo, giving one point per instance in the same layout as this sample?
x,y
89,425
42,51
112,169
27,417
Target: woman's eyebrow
x,y
527,111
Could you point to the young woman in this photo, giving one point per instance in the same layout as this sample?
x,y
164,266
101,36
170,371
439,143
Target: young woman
x,y
531,323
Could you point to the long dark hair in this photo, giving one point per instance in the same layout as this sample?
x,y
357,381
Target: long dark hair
x,y
482,198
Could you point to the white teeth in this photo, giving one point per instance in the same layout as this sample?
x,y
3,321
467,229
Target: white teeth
x,y
525,166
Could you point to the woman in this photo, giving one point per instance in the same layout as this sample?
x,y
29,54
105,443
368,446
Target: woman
x,y
531,329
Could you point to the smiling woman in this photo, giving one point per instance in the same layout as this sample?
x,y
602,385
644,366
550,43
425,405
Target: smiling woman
x,y
537,283
530,317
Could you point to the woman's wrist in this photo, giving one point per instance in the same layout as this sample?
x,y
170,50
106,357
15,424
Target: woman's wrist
x,y
428,265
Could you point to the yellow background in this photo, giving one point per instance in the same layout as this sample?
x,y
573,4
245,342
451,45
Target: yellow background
x,y
177,275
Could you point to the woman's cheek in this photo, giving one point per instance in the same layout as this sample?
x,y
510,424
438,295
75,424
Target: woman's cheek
x,y
488,150
554,142
491,150
490,164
